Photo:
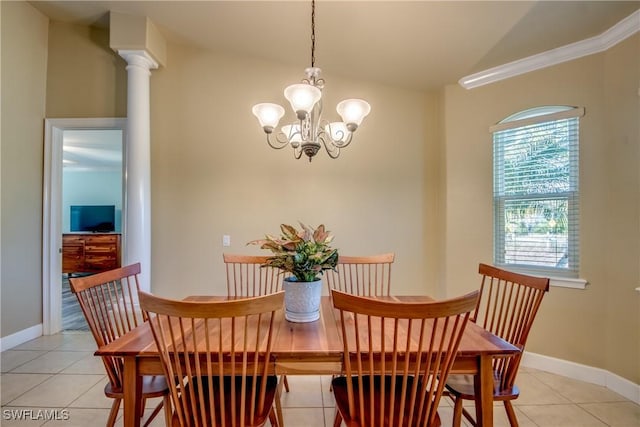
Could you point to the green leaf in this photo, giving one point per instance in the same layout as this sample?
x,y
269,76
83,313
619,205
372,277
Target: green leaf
x,y
304,253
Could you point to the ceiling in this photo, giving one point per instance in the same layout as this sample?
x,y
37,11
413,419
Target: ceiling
x,y
414,44
92,150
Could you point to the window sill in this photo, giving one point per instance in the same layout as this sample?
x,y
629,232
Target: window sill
x,y
566,282
555,281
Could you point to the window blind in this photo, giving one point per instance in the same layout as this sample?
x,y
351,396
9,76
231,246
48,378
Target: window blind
x,y
536,203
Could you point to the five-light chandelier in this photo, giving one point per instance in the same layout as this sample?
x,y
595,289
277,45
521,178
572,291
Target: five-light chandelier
x,y
310,131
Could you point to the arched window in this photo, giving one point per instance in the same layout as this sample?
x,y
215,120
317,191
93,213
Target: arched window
x,y
535,193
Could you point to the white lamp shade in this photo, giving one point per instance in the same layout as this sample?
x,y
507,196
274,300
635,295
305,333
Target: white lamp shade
x,y
337,130
268,115
353,111
292,132
302,97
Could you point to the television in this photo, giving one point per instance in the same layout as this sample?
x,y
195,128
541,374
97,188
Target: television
x,y
93,218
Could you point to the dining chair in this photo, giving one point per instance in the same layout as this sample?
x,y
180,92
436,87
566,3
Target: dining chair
x,y
397,356
507,307
362,275
246,277
216,357
109,303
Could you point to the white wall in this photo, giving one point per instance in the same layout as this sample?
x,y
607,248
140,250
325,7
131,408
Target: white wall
x,y
91,188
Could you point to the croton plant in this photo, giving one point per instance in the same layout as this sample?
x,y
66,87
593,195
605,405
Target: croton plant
x,y
305,253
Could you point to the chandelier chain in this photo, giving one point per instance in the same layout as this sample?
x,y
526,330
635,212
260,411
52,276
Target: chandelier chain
x,y
313,33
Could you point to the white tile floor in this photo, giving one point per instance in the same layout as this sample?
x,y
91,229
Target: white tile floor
x,y
59,372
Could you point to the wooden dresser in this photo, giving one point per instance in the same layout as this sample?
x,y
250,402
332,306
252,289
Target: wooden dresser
x,y
90,252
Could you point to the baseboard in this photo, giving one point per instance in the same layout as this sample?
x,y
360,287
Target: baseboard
x,y
20,337
585,373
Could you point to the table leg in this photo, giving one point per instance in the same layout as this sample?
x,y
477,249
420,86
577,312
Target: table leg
x,y
483,385
132,388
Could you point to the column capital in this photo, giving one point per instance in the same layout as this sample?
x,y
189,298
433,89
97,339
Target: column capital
x,y
138,58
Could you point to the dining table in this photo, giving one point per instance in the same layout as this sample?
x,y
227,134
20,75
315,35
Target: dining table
x,y
311,348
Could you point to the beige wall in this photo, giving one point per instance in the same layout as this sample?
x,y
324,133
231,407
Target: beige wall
x,y
622,206
24,71
434,217
85,78
213,173
597,326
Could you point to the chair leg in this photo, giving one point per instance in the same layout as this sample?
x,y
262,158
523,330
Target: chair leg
x,y
143,404
457,411
273,418
114,412
511,414
286,382
469,418
168,410
337,421
155,412
278,403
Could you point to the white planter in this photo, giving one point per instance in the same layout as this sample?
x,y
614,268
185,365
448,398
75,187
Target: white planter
x,y
302,300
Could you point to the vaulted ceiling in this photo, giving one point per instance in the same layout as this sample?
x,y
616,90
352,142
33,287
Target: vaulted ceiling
x,y
414,44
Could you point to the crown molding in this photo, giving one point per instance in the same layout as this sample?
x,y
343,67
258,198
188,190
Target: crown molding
x,y
614,35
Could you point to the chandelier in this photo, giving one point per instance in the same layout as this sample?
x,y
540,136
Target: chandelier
x,y
310,131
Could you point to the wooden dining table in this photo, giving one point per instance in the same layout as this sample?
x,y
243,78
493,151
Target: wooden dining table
x,y
313,348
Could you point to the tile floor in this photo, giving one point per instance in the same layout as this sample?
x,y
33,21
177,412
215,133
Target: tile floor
x,y
60,372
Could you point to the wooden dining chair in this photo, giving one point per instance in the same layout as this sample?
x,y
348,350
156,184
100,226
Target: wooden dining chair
x,y
397,356
246,277
362,275
109,303
507,307
217,358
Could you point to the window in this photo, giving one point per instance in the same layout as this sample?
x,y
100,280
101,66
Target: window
x,y
535,193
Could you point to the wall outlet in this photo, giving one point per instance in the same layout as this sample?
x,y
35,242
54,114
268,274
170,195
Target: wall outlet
x,y
226,240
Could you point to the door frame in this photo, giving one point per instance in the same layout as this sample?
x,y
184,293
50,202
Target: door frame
x,y
52,209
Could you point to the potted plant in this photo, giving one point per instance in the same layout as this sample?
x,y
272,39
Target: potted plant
x,y
304,254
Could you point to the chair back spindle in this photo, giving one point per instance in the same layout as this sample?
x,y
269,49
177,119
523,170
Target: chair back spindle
x,y
247,277
362,275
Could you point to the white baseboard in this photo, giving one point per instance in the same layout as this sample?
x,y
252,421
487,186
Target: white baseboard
x,y
585,373
20,337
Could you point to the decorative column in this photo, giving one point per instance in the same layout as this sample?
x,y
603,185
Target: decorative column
x,y
137,225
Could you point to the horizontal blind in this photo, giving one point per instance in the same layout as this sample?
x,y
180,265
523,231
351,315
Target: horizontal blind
x,y
536,194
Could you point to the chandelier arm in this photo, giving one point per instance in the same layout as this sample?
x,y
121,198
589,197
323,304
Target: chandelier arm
x,y
343,142
297,152
278,141
330,146
346,141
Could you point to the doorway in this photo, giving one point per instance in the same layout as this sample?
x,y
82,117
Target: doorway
x,y
84,166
